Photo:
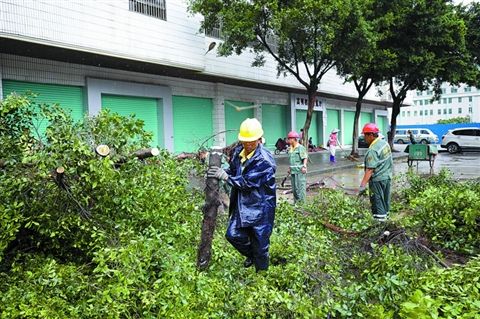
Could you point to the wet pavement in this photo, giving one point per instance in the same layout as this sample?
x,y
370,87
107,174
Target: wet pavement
x,y
348,174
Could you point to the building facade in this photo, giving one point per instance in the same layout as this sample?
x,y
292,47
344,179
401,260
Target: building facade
x,y
148,58
455,101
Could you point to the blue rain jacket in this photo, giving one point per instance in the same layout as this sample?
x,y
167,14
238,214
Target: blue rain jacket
x,y
253,195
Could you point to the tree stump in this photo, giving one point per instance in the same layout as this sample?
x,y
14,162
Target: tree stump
x,y
210,209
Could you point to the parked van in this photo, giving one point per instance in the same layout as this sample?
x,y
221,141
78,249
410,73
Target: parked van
x,y
421,135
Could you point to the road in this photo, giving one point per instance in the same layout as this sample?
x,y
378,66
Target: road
x,y
462,166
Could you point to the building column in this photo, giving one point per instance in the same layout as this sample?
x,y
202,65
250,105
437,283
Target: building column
x,y
219,116
342,126
257,112
293,114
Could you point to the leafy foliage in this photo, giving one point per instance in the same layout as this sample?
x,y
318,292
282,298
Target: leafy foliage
x,y
455,120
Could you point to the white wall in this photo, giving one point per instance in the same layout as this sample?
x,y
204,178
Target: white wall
x,y
108,27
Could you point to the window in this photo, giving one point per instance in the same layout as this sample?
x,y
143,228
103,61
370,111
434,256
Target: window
x,y
408,113
403,113
415,113
464,132
429,92
431,112
421,113
470,110
470,99
459,100
459,110
449,111
400,132
439,111
215,32
468,89
427,102
424,132
453,90
449,100
444,90
444,111
421,102
415,102
152,8
419,93
444,100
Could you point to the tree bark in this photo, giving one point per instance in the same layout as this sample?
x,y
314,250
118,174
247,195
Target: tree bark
x,y
210,209
358,109
312,93
393,121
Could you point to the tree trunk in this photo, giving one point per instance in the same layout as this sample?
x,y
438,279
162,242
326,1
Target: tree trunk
x,y
210,209
312,93
358,109
393,121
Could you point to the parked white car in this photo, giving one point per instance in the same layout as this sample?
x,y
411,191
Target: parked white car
x,y
460,139
421,135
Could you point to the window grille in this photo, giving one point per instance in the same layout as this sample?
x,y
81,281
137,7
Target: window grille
x,y
216,31
151,8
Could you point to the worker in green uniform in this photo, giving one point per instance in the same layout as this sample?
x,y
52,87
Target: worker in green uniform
x,y
298,157
378,172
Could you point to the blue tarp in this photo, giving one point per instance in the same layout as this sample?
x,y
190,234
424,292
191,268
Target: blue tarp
x,y
439,129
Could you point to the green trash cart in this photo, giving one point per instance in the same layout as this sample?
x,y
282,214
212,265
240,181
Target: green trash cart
x,y
421,152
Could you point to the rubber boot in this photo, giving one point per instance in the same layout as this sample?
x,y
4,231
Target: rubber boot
x,y
332,158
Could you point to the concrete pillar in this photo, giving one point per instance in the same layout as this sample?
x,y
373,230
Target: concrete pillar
x,y
342,127
293,114
257,112
219,116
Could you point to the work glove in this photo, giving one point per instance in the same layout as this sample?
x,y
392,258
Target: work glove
x,y
362,190
218,173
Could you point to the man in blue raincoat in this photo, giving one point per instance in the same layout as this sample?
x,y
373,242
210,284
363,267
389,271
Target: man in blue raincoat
x,y
253,196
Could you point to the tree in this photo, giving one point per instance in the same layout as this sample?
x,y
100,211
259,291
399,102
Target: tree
x,y
426,43
300,35
471,16
362,62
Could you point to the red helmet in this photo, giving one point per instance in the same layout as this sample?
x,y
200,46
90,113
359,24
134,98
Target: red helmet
x,y
370,128
293,134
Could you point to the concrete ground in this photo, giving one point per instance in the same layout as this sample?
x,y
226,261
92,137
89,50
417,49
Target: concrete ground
x,y
348,174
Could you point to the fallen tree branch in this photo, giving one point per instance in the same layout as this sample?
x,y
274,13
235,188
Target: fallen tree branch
x,y
147,152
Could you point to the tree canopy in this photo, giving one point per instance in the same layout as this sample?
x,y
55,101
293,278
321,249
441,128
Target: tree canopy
x,y
302,36
425,41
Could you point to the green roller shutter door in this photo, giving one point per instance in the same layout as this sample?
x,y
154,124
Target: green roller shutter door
x,y
348,120
68,97
314,125
385,125
382,122
235,113
333,122
365,118
274,122
147,109
192,122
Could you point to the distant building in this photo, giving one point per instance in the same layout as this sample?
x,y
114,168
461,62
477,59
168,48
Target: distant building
x,y
455,101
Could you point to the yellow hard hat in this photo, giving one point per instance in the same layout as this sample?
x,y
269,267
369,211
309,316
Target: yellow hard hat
x,y
250,130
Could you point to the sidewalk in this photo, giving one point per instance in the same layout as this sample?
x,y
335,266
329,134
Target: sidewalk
x,y
319,162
